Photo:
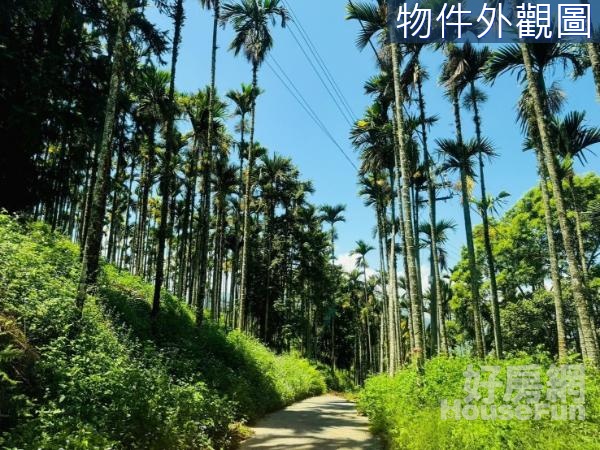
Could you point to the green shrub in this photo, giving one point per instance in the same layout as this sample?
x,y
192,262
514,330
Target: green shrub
x,y
112,379
405,410
339,380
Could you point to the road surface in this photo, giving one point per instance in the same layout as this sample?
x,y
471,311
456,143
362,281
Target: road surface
x,y
319,423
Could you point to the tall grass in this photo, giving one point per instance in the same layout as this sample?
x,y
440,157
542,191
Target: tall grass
x,y
405,411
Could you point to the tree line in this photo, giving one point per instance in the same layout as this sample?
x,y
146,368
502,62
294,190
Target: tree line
x,y
154,181
403,169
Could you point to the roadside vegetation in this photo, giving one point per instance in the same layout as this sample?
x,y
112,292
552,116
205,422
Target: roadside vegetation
x,y
110,379
406,410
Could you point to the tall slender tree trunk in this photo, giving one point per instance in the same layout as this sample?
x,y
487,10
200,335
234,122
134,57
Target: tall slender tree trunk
x,y
89,198
472,263
390,294
206,194
173,224
91,254
387,333
233,288
592,50
115,218
165,181
367,322
553,256
588,338
269,232
474,273
403,176
247,196
393,295
145,189
578,228
486,234
431,192
125,246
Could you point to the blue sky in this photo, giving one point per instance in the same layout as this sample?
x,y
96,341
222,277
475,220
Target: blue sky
x,y
284,127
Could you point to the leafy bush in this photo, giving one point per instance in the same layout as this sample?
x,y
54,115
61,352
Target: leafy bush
x,y
339,380
405,410
111,379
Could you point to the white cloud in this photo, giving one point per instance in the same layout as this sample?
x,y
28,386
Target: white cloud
x,y
348,263
425,274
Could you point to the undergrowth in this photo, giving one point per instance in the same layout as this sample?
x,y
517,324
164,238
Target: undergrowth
x,y
111,379
406,410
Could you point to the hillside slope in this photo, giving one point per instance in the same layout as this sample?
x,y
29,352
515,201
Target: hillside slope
x,y
111,379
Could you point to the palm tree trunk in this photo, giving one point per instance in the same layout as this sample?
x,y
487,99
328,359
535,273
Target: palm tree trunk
x,y
206,191
390,295
369,353
592,50
589,338
115,206
486,235
182,248
269,231
247,194
91,254
369,342
578,229
89,197
415,223
144,200
171,272
553,256
472,264
126,246
219,257
165,182
384,323
393,299
431,191
233,288
477,324
402,175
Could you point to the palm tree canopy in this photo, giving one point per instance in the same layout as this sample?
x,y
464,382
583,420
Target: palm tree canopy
x,y
509,59
196,107
373,19
464,65
333,214
209,4
150,95
244,98
442,229
474,97
251,20
555,100
461,156
574,137
362,249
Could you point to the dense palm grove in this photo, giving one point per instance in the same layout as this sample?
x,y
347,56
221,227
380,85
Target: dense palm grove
x,y
152,181
402,170
103,148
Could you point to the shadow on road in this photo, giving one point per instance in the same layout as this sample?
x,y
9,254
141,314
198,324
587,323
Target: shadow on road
x,y
321,423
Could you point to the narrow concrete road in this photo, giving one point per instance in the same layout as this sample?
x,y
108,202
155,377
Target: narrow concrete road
x,y
319,423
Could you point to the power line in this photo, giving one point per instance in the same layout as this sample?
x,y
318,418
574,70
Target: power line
x,y
295,92
317,56
318,73
319,59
